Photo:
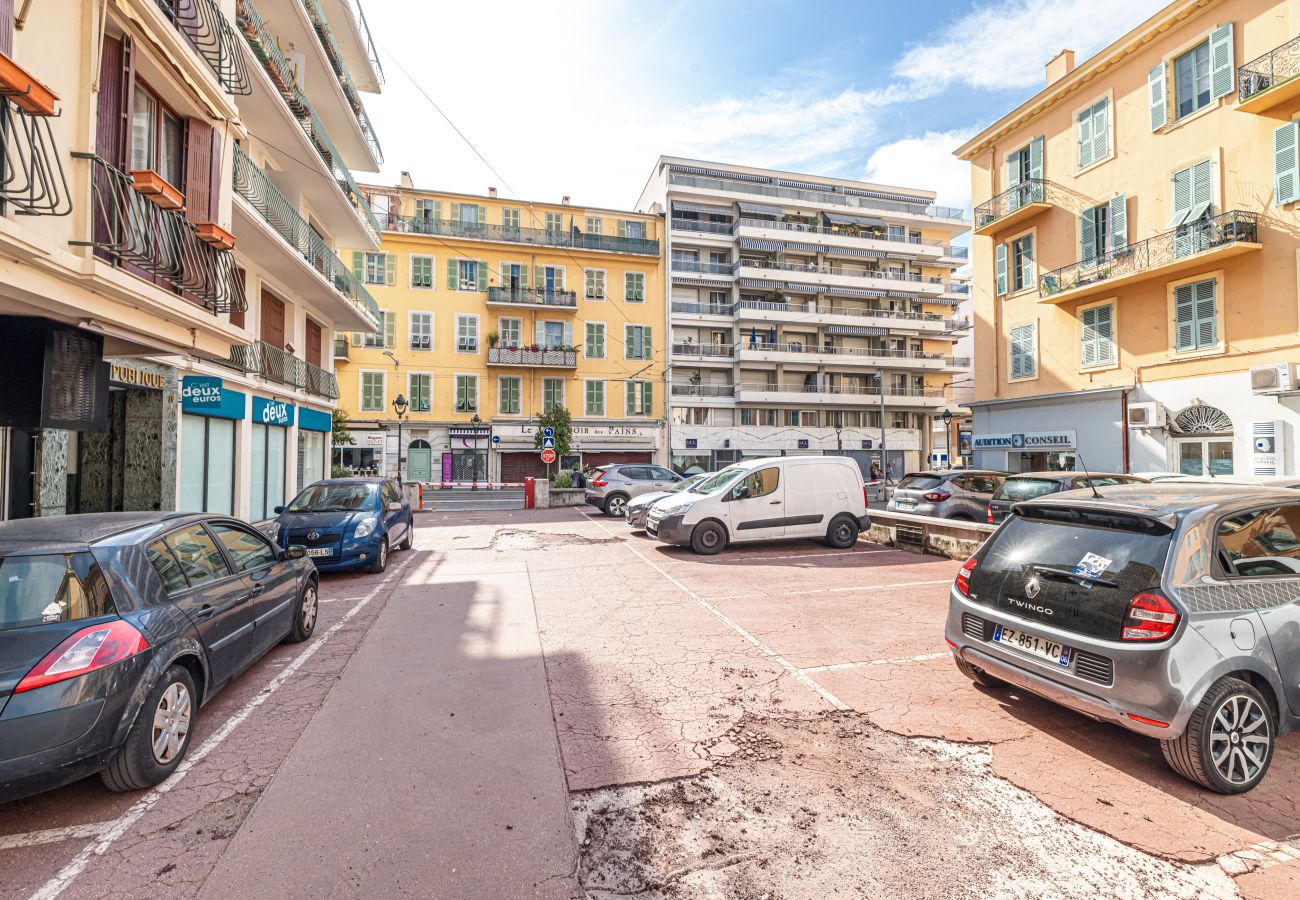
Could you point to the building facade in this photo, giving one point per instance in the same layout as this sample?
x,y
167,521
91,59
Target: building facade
x,y
807,314
1135,272
173,288
495,310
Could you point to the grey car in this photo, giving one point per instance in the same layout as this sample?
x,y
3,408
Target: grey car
x,y
613,486
961,495
639,507
1170,609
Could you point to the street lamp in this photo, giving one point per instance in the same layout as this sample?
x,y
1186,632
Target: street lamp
x,y
399,407
475,420
947,435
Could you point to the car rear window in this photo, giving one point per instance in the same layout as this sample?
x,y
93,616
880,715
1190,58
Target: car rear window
x,y
919,482
1025,488
63,587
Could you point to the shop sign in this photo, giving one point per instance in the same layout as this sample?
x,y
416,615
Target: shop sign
x,y
963,443
272,412
803,444
135,376
1027,440
373,439
314,419
206,395
692,443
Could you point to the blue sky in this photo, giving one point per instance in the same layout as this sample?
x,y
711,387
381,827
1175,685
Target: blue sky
x,y
580,98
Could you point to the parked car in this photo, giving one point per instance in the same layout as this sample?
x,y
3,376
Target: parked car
x,y
347,523
1028,485
116,628
615,485
1167,608
639,507
952,494
765,500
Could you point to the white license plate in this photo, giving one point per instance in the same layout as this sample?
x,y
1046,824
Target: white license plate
x,y
319,551
907,504
1032,644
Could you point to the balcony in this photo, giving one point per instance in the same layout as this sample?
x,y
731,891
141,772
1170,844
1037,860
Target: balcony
x,y
700,267
321,24
1017,204
957,287
704,352
863,282
252,184
687,308
560,300
342,349
830,238
540,237
1167,254
700,226
129,229
1267,82
836,395
210,34
703,390
524,356
282,367
795,352
885,320
34,183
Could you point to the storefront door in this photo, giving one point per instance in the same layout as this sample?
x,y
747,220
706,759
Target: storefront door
x,y
419,461
1203,456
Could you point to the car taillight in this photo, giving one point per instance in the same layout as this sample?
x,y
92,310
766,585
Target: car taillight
x,y
866,497
89,649
1150,618
990,513
600,482
937,496
963,577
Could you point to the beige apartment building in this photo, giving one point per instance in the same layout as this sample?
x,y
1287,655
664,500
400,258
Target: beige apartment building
x,y
1135,253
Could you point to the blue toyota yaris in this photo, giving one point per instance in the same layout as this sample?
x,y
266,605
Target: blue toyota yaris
x,y
346,523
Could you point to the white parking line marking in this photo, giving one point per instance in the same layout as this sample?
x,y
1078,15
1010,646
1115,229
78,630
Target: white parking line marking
x,y
839,667
339,599
799,555
52,835
837,590
118,827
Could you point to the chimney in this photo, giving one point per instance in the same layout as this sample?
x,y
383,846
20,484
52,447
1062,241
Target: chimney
x,y
492,192
1059,66
406,180
564,201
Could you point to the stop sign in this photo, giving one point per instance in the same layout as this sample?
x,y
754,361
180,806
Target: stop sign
x,y
548,456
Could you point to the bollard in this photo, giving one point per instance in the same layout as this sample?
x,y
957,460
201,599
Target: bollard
x,y
530,501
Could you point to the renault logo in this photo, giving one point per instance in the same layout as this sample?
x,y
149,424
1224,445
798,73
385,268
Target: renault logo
x,y
314,534
1033,588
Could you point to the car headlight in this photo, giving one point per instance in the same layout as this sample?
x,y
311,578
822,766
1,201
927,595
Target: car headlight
x,y
273,530
677,508
365,527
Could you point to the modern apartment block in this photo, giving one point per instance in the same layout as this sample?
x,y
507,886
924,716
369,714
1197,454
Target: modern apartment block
x,y
808,315
177,176
495,310
1135,265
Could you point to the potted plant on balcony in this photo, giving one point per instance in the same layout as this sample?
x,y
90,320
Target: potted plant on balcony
x,y
26,92
532,354
157,189
493,339
213,234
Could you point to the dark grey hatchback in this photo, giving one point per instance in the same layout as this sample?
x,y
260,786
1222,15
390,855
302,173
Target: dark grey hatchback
x,y
116,627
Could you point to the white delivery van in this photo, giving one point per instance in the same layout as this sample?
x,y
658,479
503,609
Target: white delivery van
x,y
770,499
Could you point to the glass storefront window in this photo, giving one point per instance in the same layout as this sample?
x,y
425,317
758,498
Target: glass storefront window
x,y
207,465
267,471
1205,457
311,457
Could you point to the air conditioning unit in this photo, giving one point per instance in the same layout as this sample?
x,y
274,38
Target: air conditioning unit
x,y
1146,415
1272,379
1268,447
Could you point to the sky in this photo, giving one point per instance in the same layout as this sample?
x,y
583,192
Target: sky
x,y
563,97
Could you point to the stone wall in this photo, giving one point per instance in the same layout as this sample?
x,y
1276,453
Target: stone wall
x,y
51,473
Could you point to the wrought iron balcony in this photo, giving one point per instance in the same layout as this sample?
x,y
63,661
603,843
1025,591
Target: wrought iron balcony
x,y
128,228
252,184
210,34
542,237
533,297
34,182
322,26
282,367
1184,247
527,356
1271,79
1016,204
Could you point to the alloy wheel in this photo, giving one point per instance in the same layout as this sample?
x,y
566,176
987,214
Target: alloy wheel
x,y
309,607
617,507
1239,739
171,723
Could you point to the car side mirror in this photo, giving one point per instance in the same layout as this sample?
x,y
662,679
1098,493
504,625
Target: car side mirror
x,y
278,510
295,551
740,493
395,506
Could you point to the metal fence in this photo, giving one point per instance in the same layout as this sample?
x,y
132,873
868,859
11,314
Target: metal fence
x,y
1274,67
542,237
533,297
210,34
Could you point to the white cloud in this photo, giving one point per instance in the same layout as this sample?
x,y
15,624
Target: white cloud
x,y
925,162
1005,46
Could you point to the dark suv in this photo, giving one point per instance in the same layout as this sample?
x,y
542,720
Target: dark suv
x,y
1028,485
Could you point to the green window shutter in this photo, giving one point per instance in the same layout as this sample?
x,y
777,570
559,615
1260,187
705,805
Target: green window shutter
x,y
1184,318
647,344
358,265
1223,71
622,228
1027,261
1207,324
1100,130
568,334
1286,163
437,209
1182,197
1105,334
1118,223
559,278
1085,137
356,339
629,395
647,397
1036,158
390,330
481,269
455,212
453,270
1156,97
1002,269
482,215
1013,169
523,275
1088,235
539,281
629,335
1088,350
390,268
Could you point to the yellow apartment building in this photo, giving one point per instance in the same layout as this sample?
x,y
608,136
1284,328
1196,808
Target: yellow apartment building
x,y
495,310
1135,253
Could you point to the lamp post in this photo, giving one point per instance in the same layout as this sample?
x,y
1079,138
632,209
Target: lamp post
x,y
947,435
475,420
399,407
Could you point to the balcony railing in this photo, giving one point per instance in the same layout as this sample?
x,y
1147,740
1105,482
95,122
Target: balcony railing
x,y
828,197
833,309
342,348
210,34
533,297
282,367
253,185
703,227
559,359
130,229
703,390
847,231
1268,71
1031,190
706,268
850,390
957,287
542,237
705,351
1167,247
322,26
868,352
814,269
34,183
703,309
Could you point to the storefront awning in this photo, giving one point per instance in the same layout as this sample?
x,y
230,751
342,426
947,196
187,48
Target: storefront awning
x,y
864,330
804,185
705,208
860,221
760,209
760,244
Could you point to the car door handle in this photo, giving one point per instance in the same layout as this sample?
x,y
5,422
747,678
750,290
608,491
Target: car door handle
x,y
775,503
207,610
255,592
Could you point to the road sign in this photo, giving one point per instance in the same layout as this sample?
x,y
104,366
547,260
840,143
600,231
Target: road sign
x,y
548,431
548,443
548,456
496,438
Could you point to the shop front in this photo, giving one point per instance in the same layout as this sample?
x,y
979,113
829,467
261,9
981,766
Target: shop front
x,y
314,427
210,417
467,460
365,455
1056,432
592,445
272,420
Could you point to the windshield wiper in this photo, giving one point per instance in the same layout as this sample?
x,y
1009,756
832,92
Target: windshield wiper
x,y
1071,575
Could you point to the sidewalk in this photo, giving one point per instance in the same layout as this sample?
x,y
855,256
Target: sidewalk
x,y
432,769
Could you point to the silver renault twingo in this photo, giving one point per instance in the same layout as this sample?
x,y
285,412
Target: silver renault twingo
x,y
1171,609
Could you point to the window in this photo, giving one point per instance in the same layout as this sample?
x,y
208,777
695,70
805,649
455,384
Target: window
x,y
512,332
1196,316
469,214
1262,542
550,278
552,393
419,391
692,415
509,388
554,335
746,416
717,299
1192,80
554,222
594,224
1015,265
594,404
466,393
377,340
634,287
637,342
422,272
372,391
1193,194
427,210
466,275
640,398
595,343
168,569
514,276
376,268
1098,335
207,465
197,554
466,333
631,229
1093,132
758,484
1094,233
509,218
595,284
1286,164
246,550
792,417
157,138
1024,356
421,326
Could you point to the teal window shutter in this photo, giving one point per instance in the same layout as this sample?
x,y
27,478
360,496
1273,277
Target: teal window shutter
x,y
1100,130
1087,235
1036,158
1002,269
1088,350
1027,278
1105,336
1013,169
647,397
358,265
453,273
1085,137
1182,197
1207,324
1202,188
1286,163
1118,223
1184,318
390,268
481,268
1157,97
1223,71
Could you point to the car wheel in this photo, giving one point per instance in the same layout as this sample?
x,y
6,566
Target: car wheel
x,y
978,675
304,615
616,505
1228,743
157,742
842,532
409,537
708,538
381,560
